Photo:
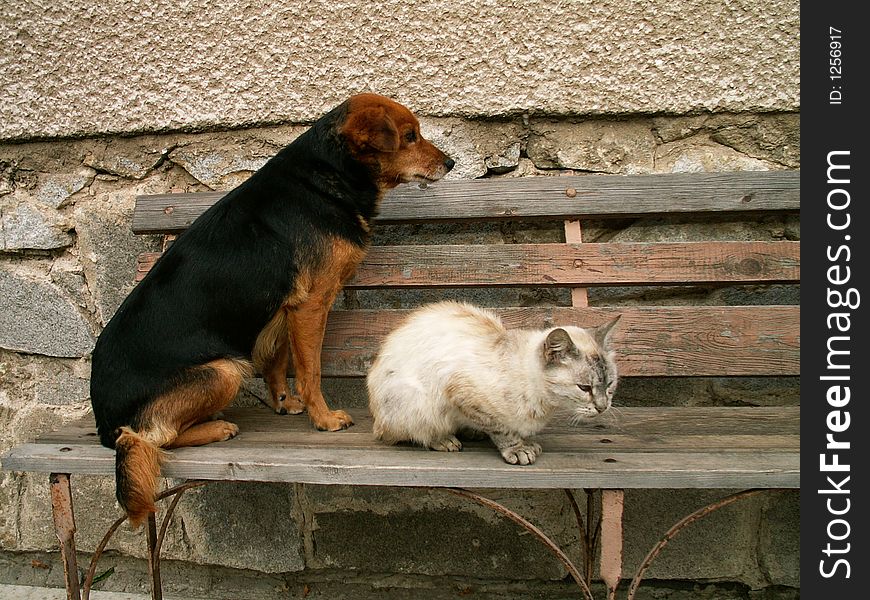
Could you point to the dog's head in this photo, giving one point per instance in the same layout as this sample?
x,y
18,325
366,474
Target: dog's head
x,y
386,136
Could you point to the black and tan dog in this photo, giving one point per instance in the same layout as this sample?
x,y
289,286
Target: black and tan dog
x,y
246,287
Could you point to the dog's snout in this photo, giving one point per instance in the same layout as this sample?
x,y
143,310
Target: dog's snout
x,y
449,163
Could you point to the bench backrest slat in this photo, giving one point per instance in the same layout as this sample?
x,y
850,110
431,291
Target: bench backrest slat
x,y
590,196
650,341
653,341
571,264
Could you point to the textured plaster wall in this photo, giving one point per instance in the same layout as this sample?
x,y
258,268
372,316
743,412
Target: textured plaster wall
x,y
70,68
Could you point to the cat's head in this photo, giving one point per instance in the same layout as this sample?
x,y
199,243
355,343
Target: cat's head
x,y
580,368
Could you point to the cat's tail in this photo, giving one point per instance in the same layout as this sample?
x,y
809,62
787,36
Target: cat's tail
x,y
137,469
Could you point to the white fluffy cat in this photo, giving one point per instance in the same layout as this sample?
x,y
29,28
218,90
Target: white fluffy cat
x,y
451,366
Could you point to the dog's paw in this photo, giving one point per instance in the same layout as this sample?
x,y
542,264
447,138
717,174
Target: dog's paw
x,y
448,444
521,454
288,404
335,420
226,429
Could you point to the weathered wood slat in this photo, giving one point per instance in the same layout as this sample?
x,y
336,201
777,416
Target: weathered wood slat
x,y
669,460
579,264
678,341
589,196
583,439
649,425
650,341
570,264
342,466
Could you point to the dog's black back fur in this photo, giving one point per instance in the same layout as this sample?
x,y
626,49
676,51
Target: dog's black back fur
x,y
229,272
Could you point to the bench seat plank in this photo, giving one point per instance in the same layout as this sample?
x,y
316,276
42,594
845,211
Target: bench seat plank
x,y
669,448
587,196
755,422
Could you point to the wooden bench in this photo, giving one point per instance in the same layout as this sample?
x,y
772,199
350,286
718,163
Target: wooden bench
x,y
747,448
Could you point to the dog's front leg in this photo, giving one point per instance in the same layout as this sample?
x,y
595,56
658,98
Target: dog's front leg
x,y
307,325
275,375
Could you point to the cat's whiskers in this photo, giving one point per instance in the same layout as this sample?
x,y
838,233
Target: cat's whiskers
x,y
615,415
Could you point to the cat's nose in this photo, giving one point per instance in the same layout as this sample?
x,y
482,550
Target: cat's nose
x,y
600,407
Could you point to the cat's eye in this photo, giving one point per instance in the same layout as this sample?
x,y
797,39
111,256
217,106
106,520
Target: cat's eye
x,y
585,388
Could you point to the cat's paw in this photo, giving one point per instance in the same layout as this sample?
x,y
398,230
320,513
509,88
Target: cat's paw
x,y
448,444
521,454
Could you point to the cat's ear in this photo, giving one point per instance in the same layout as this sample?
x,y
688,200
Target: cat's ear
x,y
602,333
558,345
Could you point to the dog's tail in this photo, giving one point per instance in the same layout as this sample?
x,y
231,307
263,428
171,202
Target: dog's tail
x,y
137,469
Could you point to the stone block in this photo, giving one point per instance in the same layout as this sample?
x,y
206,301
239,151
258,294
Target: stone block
x,y
238,525
699,155
130,158
28,226
242,525
224,160
36,317
107,246
768,137
431,532
62,387
720,547
504,161
596,146
477,147
55,189
779,538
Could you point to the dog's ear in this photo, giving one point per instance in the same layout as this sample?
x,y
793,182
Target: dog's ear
x,y
371,128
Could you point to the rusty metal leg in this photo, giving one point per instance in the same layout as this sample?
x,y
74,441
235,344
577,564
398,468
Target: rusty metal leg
x,y
612,503
153,558
65,527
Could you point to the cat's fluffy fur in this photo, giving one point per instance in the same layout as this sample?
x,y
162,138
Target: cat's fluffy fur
x,y
451,366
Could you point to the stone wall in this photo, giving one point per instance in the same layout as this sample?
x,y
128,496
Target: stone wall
x,y
67,263
104,101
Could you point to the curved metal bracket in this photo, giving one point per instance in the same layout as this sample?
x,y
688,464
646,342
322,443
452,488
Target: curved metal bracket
x,y
528,526
154,545
678,527
591,539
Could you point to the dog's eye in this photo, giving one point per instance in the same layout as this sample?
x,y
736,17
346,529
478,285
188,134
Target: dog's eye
x,y
411,137
585,388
